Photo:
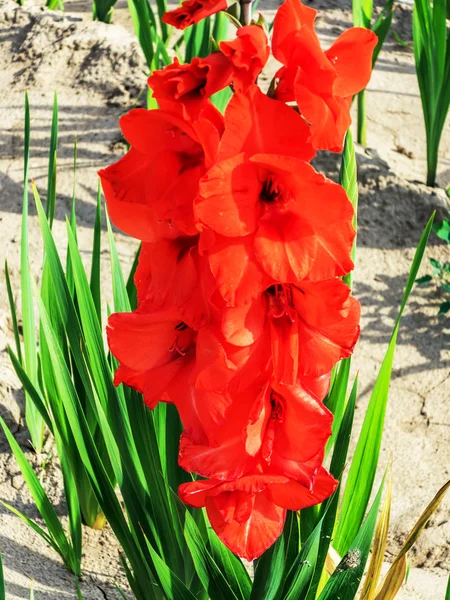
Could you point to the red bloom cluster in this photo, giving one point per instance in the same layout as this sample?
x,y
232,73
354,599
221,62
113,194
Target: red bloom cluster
x,y
241,310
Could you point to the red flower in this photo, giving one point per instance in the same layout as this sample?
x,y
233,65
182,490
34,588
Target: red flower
x,y
150,191
152,349
248,514
172,275
282,428
241,312
193,11
256,124
322,83
248,54
287,222
312,326
186,88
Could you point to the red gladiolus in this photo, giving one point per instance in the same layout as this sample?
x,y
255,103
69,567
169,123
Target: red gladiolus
x,y
193,11
186,89
271,207
248,514
283,428
312,326
322,83
248,54
150,191
241,310
152,350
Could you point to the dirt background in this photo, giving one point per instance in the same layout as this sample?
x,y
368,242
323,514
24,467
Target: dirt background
x,y
99,72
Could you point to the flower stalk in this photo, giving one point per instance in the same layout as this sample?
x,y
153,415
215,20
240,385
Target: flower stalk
x,y
246,12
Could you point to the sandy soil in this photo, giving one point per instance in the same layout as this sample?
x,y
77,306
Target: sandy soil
x,y
99,72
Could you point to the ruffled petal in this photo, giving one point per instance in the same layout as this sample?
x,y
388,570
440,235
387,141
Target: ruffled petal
x,y
328,324
291,17
193,11
295,496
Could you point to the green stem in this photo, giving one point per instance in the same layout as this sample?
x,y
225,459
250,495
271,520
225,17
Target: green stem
x,y
361,134
431,170
432,158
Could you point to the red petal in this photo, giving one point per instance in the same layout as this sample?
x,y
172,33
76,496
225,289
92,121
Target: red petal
x,y
228,197
248,539
193,11
238,275
294,496
243,325
248,54
256,124
328,324
285,349
332,227
351,56
142,127
329,117
285,246
305,427
142,341
194,493
226,461
289,20
126,185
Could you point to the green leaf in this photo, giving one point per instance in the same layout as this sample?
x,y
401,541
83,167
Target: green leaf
x,y
57,538
431,39
173,587
102,10
221,99
96,251
162,8
2,581
362,13
447,593
220,27
51,177
12,307
348,178
72,500
339,457
269,572
424,280
381,27
33,419
212,578
120,293
328,509
198,39
144,25
444,308
303,569
33,392
345,580
436,264
34,526
336,399
442,230
231,566
131,287
364,464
